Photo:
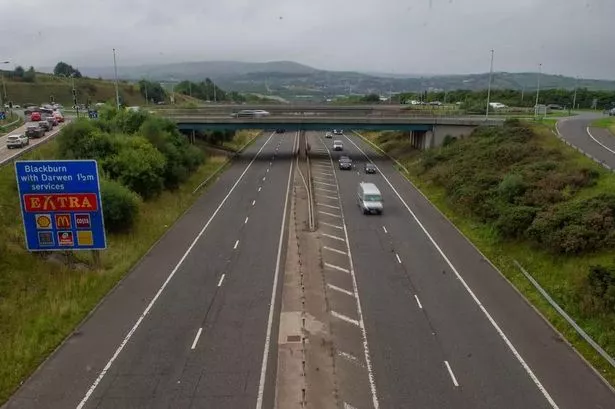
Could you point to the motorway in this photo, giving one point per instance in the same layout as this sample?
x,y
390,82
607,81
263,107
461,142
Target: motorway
x,y
596,142
8,154
424,320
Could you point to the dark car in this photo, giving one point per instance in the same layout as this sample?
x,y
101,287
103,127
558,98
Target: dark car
x,y
338,132
45,125
345,163
34,130
280,130
50,120
370,168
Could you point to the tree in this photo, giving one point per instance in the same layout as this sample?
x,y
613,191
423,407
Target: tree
x,y
152,91
371,98
66,70
30,75
19,72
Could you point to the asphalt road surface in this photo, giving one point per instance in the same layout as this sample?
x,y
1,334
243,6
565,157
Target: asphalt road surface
x,y
187,327
444,328
596,142
7,154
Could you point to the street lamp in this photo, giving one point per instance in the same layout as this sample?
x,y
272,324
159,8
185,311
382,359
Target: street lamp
x,y
117,92
489,88
538,89
3,95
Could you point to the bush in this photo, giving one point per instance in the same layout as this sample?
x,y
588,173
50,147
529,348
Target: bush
x,y
448,140
120,206
599,290
82,140
514,220
139,166
511,187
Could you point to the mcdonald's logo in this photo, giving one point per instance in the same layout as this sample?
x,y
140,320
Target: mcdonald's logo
x,y
63,221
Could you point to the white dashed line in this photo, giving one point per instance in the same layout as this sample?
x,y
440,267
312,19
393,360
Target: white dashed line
x,y
398,259
326,190
326,205
329,214
236,244
323,183
324,173
253,202
267,170
196,339
328,197
385,229
332,225
264,177
221,280
260,188
332,236
350,358
340,289
334,250
345,318
348,406
450,371
338,268
246,221
418,301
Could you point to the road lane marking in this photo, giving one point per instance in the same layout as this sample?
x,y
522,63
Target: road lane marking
x,y
326,205
221,280
128,336
345,318
264,177
325,189
348,406
385,229
260,188
328,197
338,268
196,339
418,301
332,225
324,173
340,289
332,236
236,244
350,358
272,303
598,142
334,250
450,372
329,214
253,202
267,170
495,325
246,221
398,259
323,183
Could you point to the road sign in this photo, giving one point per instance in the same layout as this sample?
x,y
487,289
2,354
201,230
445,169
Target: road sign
x,y
61,205
93,114
2,115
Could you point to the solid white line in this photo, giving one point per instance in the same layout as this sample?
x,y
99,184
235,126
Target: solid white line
x,y
236,244
325,189
348,406
398,259
495,325
260,188
345,318
332,225
246,221
350,358
385,229
221,280
253,202
338,268
332,237
326,205
340,289
264,177
261,384
323,183
450,372
418,301
328,197
334,250
324,173
196,339
598,142
329,214
164,285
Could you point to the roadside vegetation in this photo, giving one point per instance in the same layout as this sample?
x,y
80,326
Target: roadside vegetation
x,y
608,123
149,173
7,125
519,194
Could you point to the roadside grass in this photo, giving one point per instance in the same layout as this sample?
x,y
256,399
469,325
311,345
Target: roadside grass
x,y
608,123
241,140
41,301
7,125
561,276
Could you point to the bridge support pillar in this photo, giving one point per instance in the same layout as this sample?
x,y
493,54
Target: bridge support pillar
x,y
303,145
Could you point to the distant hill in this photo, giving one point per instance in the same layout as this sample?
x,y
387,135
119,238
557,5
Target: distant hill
x,y
292,80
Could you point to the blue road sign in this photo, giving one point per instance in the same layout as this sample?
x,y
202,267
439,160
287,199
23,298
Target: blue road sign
x,y
93,114
61,205
2,115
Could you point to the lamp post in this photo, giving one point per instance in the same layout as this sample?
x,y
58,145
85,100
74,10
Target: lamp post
x,y
3,95
489,88
117,91
538,89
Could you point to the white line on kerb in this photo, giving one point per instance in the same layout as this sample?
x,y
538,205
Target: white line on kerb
x,y
196,338
340,289
385,229
332,237
332,225
267,170
164,285
323,183
338,268
326,190
246,221
329,214
221,279
495,325
598,142
418,301
345,318
351,358
264,177
276,274
450,372
236,244
328,197
398,259
334,250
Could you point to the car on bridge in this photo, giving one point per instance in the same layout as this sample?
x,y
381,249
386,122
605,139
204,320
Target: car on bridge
x,y
338,145
250,113
345,163
17,141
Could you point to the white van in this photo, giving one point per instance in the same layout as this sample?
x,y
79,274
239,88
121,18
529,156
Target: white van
x,y
369,198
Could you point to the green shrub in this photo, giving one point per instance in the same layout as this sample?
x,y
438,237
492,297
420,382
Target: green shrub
x,y
448,140
598,290
511,187
120,206
83,140
139,166
513,221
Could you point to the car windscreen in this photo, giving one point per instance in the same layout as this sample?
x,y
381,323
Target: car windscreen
x,y
373,198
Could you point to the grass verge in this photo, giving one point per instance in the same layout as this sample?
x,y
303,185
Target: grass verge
x,y
560,275
42,301
7,125
608,123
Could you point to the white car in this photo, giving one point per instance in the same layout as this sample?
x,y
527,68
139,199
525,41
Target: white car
x,y
338,145
17,141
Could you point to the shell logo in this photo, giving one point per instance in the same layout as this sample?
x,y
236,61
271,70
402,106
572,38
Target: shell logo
x,y
43,221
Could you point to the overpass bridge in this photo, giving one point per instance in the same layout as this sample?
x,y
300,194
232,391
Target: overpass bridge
x,y
426,131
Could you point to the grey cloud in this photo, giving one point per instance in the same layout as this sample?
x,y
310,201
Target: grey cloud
x,y
413,36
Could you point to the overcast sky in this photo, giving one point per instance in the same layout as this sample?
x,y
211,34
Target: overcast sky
x,y
570,37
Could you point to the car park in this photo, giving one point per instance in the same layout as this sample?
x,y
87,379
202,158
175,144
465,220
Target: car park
x,y
17,141
345,163
34,130
338,145
370,167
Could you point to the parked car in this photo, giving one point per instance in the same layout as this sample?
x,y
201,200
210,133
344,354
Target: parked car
x,y
338,145
328,135
17,141
370,167
34,130
45,125
345,163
